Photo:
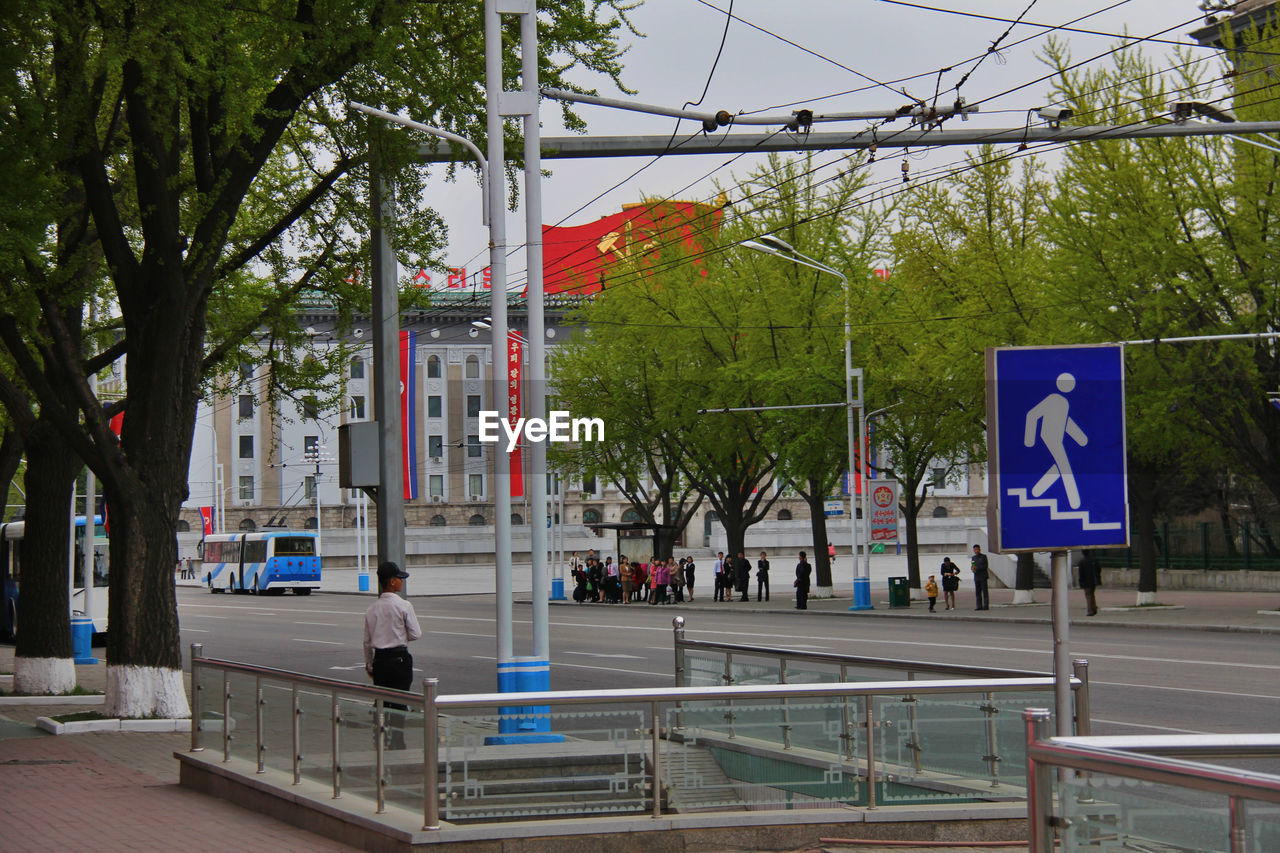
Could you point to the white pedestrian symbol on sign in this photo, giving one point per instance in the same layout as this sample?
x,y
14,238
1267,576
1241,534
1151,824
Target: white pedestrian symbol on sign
x,y
1055,424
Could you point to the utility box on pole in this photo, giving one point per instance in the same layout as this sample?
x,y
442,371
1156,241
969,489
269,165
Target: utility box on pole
x,y
358,455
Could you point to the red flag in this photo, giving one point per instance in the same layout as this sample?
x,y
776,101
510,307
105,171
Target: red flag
x,y
206,516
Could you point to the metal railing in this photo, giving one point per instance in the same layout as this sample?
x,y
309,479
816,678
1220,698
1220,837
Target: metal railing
x,y
1119,793
799,745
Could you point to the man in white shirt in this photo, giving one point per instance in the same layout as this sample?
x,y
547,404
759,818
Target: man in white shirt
x,y
389,625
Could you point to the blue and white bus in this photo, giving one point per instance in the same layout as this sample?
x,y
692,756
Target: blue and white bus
x,y
267,561
12,535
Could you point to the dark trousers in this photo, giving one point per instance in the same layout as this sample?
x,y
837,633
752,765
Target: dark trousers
x,y
802,597
762,587
719,596
980,589
1091,600
393,668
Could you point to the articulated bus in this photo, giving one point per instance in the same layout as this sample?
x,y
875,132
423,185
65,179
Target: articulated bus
x,y
267,561
11,567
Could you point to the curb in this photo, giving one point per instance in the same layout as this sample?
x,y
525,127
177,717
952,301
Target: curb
x,y
53,699
76,727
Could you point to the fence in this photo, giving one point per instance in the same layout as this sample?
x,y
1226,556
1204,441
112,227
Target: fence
x,y
615,752
1247,546
1139,793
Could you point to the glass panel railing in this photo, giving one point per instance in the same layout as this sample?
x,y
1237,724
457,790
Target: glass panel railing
x,y
207,684
356,755
315,735
241,691
402,760
1113,813
1262,826
760,754
593,761
277,726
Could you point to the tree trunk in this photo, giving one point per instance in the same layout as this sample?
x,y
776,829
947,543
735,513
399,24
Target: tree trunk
x,y
42,653
912,512
1142,488
824,586
1024,579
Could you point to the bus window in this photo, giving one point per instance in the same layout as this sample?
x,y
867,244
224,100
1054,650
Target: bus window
x,y
295,546
255,552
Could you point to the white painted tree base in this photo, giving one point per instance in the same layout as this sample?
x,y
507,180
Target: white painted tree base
x,y
44,676
146,691
1146,598
1024,596
823,592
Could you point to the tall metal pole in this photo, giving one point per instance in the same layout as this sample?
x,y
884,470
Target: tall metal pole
x,y
536,372
498,311
1062,669
864,583
386,360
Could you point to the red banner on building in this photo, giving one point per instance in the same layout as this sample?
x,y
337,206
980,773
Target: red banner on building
x,y
580,258
515,362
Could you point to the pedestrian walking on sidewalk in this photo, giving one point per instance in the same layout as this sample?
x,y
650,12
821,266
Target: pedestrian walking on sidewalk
x,y
950,583
979,566
1090,580
803,572
389,626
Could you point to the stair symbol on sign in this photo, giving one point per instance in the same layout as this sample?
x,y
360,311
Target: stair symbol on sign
x,y
1057,515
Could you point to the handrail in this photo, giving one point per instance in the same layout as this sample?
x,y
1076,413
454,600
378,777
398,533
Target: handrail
x,y
1165,771
1183,746
368,690
855,660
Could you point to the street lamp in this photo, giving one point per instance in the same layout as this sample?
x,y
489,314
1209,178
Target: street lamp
x,y
770,245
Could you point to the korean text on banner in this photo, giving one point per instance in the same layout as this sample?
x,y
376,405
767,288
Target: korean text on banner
x,y
515,359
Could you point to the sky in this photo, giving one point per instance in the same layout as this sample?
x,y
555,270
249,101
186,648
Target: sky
x,y
826,55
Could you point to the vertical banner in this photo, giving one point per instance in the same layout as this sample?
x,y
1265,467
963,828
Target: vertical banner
x,y
409,412
515,358
857,475
206,518
884,511
117,424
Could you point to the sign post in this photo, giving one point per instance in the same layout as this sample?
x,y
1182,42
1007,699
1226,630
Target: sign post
x,y
1056,445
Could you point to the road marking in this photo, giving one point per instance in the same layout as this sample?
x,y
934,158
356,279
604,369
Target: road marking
x,y
460,634
323,642
357,666
194,631
598,655
206,616
1184,689
1144,726
589,666
1214,663
320,624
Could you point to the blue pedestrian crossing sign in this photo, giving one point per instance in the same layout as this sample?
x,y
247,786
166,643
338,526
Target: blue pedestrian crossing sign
x,y
1056,445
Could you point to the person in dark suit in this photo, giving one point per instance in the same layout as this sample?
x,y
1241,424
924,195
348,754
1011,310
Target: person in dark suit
x,y
979,566
742,572
762,577
1090,580
803,572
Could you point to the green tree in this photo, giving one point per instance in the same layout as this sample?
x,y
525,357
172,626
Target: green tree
x,y
194,150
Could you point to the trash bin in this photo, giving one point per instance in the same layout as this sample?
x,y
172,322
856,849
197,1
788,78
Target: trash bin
x,y
899,593
82,640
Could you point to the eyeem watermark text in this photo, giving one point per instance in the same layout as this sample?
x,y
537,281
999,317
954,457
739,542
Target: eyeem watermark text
x,y
559,427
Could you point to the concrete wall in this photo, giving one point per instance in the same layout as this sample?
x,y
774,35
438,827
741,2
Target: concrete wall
x,y
1197,579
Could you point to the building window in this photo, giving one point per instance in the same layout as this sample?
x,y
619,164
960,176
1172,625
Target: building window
x,y
357,408
438,521
433,367
435,446
311,523
310,409
310,445
309,487
248,524
516,518
476,520
183,526
246,406
939,478
553,484
784,515
939,512
588,485
473,446
590,516
435,485
433,406
246,488
246,371
473,367
357,367
631,517
473,405
246,447
475,485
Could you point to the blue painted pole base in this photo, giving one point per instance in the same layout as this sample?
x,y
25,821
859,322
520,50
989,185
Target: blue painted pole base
x,y
524,723
557,589
82,640
861,594
364,582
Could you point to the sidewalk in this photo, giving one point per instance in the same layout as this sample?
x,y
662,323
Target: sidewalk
x,y
118,792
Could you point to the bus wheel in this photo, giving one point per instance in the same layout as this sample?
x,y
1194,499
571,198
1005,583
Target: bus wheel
x,y
302,590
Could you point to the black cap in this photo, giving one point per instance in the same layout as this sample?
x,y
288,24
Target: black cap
x,y
389,570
